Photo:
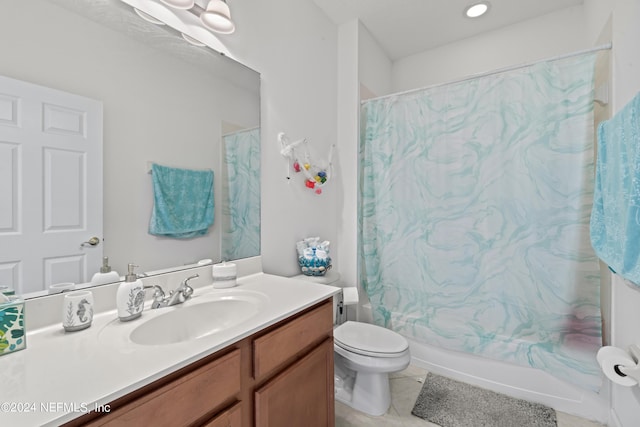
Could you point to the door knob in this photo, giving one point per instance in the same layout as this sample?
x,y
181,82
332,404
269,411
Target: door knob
x,y
94,241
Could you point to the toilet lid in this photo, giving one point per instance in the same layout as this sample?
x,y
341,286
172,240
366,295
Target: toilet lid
x,y
370,340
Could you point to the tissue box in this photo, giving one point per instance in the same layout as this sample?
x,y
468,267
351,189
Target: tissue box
x,y
12,327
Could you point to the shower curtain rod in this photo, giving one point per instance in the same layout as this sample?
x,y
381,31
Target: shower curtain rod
x,y
499,70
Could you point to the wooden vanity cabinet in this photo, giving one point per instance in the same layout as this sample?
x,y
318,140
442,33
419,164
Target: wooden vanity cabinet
x,y
279,377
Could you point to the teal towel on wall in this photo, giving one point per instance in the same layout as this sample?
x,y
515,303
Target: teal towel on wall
x,y
182,202
615,217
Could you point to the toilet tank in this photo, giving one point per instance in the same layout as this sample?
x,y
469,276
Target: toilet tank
x,y
332,278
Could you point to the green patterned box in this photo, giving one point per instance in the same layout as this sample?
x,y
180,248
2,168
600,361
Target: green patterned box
x,y
12,333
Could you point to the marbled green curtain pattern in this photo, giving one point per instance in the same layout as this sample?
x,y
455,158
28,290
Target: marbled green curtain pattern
x,y
241,210
474,217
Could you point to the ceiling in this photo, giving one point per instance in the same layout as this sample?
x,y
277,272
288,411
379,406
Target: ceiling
x,y
406,27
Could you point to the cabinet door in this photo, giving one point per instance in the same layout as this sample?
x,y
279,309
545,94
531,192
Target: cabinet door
x,y
302,395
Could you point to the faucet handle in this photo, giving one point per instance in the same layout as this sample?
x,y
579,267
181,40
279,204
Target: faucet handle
x,y
158,295
187,290
195,276
158,289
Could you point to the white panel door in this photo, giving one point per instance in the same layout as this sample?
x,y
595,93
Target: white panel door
x,y
50,186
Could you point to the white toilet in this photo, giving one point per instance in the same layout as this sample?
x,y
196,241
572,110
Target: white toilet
x,y
364,355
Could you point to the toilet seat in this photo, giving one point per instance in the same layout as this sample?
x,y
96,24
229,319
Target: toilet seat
x,y
369,340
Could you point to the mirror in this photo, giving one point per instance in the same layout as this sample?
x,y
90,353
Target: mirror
x,y
164,101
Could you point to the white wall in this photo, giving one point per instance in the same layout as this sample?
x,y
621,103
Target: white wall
x,y
549,35
348,129
294,46
622,299
363,71
597,13
374,66
625,300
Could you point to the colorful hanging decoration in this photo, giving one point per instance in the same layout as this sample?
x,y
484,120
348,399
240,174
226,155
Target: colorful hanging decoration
x,y
298,159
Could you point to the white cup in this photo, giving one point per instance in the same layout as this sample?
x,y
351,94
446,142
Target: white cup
x,y
57,288
224,275
77,310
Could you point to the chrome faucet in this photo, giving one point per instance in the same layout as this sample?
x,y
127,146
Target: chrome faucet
x,y
180,295
183,292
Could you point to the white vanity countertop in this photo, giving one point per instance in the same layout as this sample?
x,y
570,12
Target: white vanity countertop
x,y
63,375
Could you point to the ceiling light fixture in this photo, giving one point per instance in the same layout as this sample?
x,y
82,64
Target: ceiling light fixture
x,y
217,17
185,21
476,10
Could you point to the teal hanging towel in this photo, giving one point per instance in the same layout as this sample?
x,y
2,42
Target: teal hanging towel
x,y
182,202
615,217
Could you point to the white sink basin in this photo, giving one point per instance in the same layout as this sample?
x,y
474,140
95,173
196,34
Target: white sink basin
x,y
199,317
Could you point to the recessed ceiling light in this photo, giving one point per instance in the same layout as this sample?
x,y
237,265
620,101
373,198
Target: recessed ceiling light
x,y
476,10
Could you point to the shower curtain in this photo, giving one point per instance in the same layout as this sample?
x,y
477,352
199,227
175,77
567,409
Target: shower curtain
x,y
241,207
474,212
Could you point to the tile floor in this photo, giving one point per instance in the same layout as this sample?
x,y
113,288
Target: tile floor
x,y
405,387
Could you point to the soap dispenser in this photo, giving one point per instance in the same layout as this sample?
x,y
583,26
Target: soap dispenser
x,y
106,275
130,296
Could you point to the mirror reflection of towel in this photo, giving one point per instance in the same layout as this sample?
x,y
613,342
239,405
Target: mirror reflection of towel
x,y
615,217
182,202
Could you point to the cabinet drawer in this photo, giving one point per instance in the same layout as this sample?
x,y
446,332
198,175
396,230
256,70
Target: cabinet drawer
x,y
184,400
232,417
281,345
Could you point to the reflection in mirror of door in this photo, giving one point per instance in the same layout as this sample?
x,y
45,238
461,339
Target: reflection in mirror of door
x,y
163,102
51,153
